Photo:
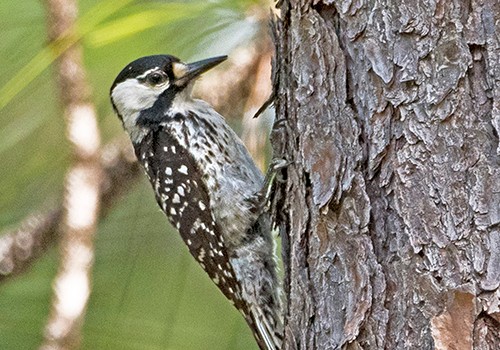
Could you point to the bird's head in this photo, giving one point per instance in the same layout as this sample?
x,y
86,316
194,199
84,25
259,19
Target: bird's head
x,y
147,88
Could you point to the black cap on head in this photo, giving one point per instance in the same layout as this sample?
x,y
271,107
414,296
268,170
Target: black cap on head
x,y
143,64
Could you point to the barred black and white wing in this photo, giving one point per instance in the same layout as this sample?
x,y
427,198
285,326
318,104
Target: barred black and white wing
x,y
182,195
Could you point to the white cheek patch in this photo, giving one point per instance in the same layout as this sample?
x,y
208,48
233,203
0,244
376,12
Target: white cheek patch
x,y
132,96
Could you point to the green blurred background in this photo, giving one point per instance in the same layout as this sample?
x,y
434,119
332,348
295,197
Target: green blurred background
x,y
147,291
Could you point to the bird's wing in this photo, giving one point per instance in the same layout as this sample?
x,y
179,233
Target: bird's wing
x,y
181,194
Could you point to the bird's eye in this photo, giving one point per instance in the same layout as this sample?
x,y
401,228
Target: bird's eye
x,y
156,78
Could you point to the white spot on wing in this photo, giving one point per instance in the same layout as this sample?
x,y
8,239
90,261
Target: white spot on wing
x,y
183,169
180,190
202,254
202,205
176,198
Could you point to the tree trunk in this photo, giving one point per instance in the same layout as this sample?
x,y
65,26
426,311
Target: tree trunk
x,y
389,112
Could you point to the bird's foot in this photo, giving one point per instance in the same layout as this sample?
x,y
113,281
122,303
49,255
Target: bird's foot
x,y
263,197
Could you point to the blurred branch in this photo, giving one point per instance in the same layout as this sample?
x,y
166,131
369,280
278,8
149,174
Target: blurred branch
x,y
82,190
21,248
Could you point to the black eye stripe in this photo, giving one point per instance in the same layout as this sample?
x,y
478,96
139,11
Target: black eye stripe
x,y
153,78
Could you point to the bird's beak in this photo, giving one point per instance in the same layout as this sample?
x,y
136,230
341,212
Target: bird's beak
x,y
184,73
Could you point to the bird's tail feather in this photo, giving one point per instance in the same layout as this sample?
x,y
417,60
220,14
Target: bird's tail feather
x,y
267,330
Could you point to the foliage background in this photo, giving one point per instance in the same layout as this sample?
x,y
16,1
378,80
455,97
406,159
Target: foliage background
x,y
147,291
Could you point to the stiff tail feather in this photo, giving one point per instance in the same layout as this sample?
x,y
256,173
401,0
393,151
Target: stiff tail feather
x,y
267,329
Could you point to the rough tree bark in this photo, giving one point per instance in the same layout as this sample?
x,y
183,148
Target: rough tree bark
x,y
389,114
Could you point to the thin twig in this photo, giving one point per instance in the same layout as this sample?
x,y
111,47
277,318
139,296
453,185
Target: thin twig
x,y
239,90
254,133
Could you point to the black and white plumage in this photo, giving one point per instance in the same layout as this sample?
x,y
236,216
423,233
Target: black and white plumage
x,y
205,182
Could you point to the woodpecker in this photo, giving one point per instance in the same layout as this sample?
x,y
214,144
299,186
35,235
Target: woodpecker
x,y
205,182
